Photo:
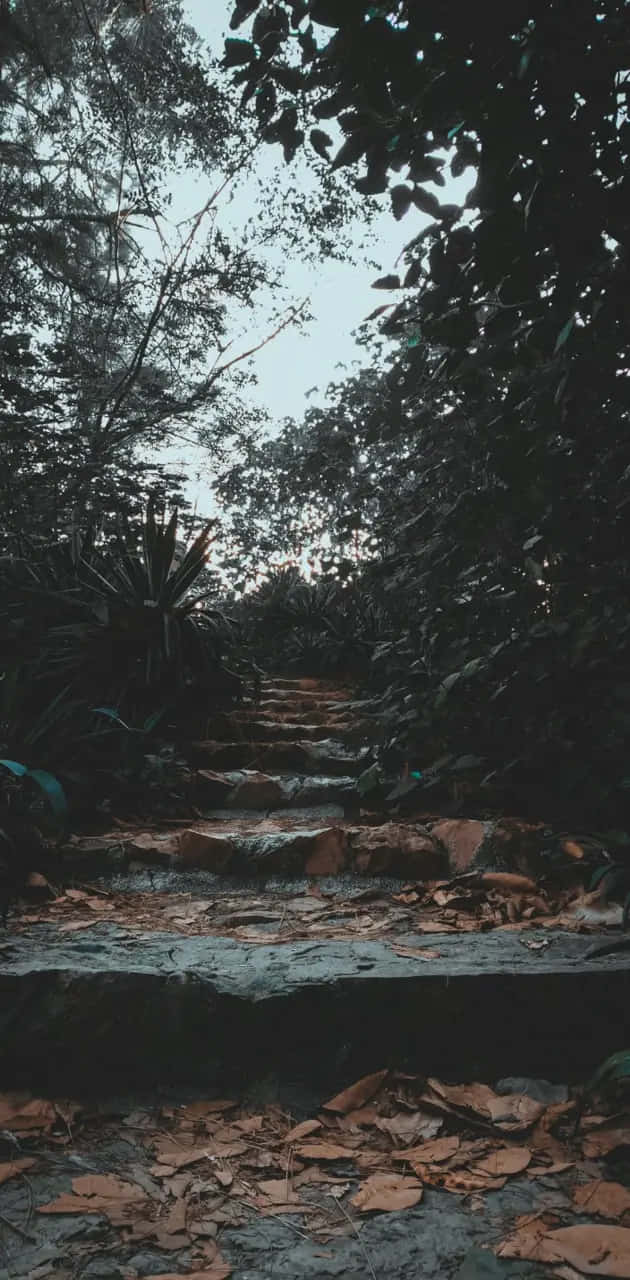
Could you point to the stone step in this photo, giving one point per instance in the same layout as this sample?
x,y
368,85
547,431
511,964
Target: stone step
x,y
271,730
302,684
253,789
304,697
282,845
286,714
120,1005
323,757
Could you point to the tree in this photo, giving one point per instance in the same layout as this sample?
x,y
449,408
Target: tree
x,y
114,321
500,501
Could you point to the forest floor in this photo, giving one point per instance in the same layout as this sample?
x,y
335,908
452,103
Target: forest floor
x,y
203,988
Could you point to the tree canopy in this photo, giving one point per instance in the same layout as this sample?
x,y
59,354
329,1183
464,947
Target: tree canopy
x,y
488,463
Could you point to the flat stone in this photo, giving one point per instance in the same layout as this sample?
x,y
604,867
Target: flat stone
x,y
463,839
327,756
202,849
255,790
268,730
397,850
108,1004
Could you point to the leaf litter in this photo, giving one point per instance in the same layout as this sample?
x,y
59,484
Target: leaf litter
x,y
374,1148
483,901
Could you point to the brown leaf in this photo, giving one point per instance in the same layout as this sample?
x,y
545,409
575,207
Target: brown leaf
x,y
596,1250
603,1141
464,1181
250,1124
512,1112
507,1160
357,1094
20,1113
107,1184
606,1199
387,1192
573,849
405,1128
302,1130
12,1167
324,1151
547,1171
279,1190
178,1157
430,1152
508,882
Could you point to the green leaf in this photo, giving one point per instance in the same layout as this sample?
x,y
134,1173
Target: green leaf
x,y
50,785
112,714
52,789
456,128
617,1067
369,779
19,770
238,52
401,197
386,282
525,60
565,333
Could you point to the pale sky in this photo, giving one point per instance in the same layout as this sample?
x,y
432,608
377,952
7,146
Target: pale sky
x,y
339,293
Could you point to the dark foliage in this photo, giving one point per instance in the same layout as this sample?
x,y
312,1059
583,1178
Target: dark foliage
x,y
317,627
110,654
490,474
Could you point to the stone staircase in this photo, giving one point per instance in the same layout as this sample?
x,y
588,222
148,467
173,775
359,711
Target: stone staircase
x,y
140,973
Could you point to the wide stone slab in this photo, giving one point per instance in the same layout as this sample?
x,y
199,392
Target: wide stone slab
x,y
302,757
163,1008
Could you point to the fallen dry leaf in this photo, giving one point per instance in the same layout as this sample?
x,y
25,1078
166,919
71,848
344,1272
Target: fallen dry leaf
x,y
279,1190
357,1094
602,1141
405,1128
387,1192
512,1112
596,1250
508,882
19,1113
12,1167
465,1181
324,1151
430,1152
507,1160
302,1130
606,1199
573,849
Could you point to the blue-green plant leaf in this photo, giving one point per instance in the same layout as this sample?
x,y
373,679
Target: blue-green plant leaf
x,y
19,770
112,714
52,789
565,333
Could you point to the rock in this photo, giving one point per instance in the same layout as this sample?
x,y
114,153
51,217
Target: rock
x,y
151,1263
214,788
153,846
318,852
104,1268
463,839
256,791
540,1090
201,849
328,854
398,850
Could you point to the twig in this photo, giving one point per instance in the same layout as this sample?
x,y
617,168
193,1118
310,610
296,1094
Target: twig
x,y
342,1209
19,1231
